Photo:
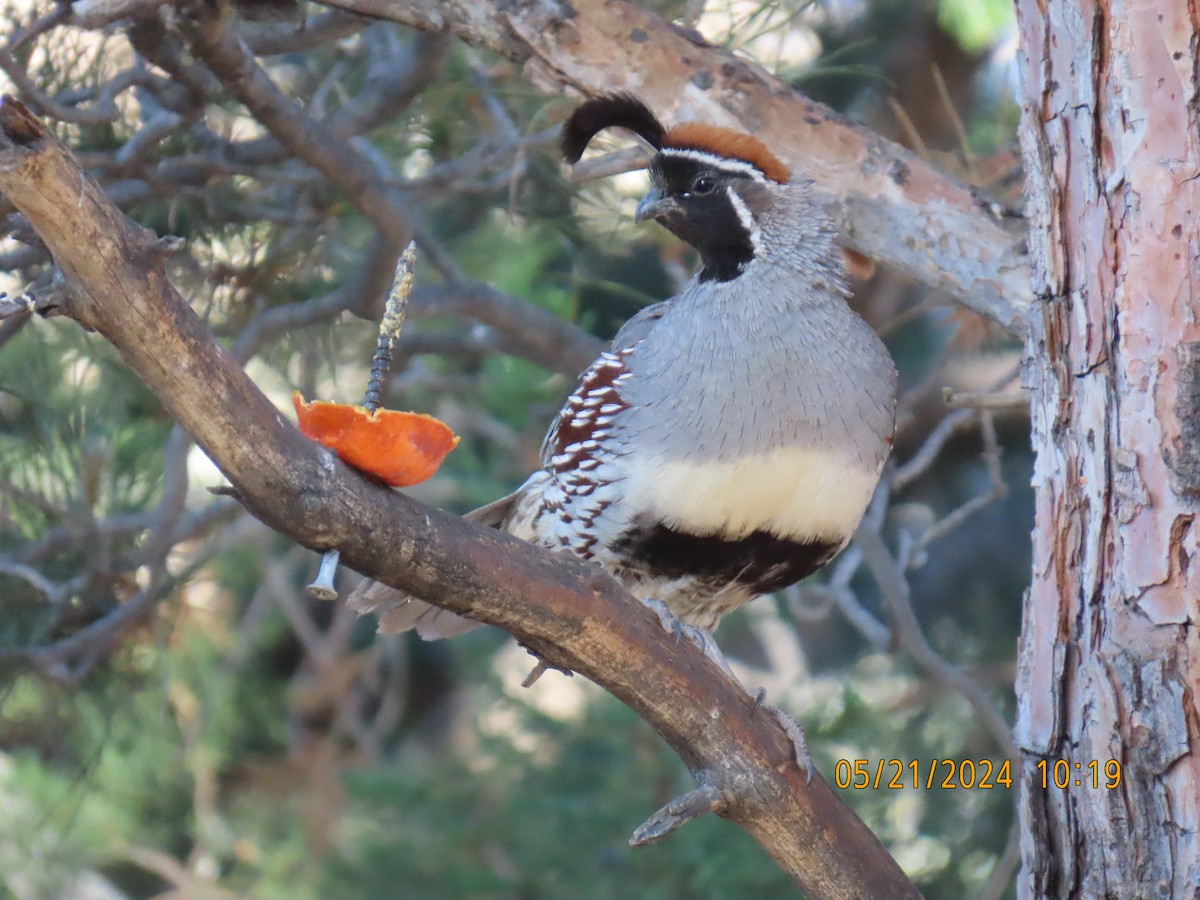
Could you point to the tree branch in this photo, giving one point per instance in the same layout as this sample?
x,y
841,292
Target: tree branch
x,y
888,203
558,344
217,45
894,587
567,611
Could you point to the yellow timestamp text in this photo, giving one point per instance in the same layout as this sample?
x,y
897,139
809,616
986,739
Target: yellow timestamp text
x,y
1062,774
894,774
983,774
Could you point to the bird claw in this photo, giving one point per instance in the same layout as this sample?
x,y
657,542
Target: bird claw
x,y
698,636
759,695
790,727
795,734
666,618
708,646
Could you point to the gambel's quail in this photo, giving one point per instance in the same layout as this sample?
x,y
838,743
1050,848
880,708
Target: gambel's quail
x,y
729,441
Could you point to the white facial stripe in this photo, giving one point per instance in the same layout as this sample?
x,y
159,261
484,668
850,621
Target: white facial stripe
x,y
744,216
717,162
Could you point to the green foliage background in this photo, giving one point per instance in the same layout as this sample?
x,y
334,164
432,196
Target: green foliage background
x,y
207,751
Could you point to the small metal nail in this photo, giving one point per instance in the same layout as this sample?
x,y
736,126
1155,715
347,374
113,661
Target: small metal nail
x,y
322,587
389,329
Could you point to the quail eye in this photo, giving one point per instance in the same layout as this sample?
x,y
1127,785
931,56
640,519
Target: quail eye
x,y
704,184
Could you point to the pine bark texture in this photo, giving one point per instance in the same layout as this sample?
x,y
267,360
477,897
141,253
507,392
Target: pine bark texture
x,y
1110,657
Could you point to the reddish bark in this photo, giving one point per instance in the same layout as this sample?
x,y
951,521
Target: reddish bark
x,y
1110,658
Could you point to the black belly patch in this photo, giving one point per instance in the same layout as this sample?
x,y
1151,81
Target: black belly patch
x,y
760,561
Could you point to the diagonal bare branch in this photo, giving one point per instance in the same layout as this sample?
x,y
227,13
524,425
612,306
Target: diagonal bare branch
x,y
888,203
567,611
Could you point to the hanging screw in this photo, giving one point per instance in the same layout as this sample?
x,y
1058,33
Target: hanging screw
x,y
322,587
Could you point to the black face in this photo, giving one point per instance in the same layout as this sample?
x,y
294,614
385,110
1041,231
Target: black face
x,y
705,215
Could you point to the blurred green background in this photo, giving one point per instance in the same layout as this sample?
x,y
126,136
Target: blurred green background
x,y
241,740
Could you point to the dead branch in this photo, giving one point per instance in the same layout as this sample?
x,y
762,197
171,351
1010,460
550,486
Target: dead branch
x,y
1018,399
888,203
889,575
219,47
270,39
26,304
565,610
69,660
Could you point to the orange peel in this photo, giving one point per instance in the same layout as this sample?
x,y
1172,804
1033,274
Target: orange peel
x,y
398,448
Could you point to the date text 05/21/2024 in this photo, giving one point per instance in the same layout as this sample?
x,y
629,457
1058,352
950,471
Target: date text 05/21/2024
x,y
894,774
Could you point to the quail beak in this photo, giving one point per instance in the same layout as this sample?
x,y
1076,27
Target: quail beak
x,y
655,205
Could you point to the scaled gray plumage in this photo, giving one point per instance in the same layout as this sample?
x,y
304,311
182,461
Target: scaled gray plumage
x,y
729,441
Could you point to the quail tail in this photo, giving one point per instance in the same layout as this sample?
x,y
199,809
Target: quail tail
x,y
399,612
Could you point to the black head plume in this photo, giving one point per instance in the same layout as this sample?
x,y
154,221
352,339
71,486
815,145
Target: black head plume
x,y
609,111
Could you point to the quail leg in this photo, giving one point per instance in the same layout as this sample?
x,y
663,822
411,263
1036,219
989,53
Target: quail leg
x,y
708,646
698,636
666,618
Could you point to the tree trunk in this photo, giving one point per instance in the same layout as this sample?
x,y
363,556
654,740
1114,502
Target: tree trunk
x,y
1110,656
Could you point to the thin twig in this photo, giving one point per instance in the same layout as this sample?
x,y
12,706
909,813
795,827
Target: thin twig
x,y
1002,873
1018,399
695,803
910,130
103,110
991,458
836,593
45,302
896,593
628,159
54,593
21,36
956,121
925,456
68,661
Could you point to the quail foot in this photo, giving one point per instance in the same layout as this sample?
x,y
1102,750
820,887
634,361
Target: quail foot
x,y
728,442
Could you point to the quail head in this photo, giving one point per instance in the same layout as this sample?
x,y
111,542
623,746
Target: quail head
x,y
729,441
